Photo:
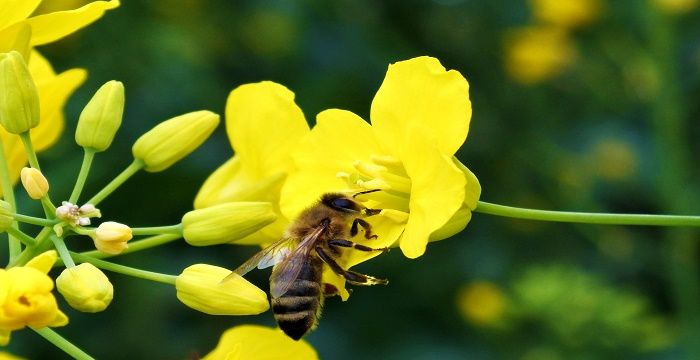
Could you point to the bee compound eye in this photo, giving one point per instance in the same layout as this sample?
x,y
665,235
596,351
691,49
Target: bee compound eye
x,y
345,204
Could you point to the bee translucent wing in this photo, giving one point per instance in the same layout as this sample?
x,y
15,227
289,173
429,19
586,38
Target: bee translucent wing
x,y
266,257
284,274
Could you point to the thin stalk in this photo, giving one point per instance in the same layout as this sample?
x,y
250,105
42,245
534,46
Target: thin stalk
x,y
34,220
88,156
139,245
586,217
24,238
63,252
130,170
15,247
127,270
30,252
156,230
46,202
63,344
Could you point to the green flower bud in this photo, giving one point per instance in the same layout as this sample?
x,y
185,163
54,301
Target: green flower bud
x,y
174,139
34,182
19,100
200,287
101,117
85,288
226,222
6,215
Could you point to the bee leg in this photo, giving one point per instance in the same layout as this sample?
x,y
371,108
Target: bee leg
x,y
350,276
354,245
365,225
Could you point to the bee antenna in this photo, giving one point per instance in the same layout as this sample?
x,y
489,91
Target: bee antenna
x,y
364,192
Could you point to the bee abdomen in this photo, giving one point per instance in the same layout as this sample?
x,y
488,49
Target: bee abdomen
x,y
296,311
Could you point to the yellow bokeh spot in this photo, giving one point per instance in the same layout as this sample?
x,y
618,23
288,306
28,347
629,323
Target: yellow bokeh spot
x,y
566,13
482,303
613,159
676,6
536,54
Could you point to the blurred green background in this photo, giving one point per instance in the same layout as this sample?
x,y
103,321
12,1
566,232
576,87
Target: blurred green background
x,y
599,114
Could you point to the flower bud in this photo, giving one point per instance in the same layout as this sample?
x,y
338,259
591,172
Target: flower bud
x,y
85,288
19,100
34,182
6,215
226,222
174,139
200,287
111,237
101,117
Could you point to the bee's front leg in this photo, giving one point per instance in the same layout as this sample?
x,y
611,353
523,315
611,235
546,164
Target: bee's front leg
x,y
365,225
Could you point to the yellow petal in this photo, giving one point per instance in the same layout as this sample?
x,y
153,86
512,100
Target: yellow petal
x,y
54,91
16,37
5,337
261,343
228,183
338,139
264,125
44,261
418,94
437,193
16,10
53,26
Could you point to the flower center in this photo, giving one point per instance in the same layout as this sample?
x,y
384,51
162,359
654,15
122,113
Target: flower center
x,y
381,172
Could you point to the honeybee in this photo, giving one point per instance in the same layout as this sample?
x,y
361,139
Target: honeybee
x,y
313,240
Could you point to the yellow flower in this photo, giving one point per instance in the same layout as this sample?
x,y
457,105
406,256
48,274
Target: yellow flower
x,y
264,126
420,117
200,287
85,288
34,182
259,342
173,139
19,31
482,303
8,356
536,54
26,298
226,223
676,7
566,13
111,237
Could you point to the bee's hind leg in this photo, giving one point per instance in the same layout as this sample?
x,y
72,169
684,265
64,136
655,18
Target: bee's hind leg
x,y
350,276
365,225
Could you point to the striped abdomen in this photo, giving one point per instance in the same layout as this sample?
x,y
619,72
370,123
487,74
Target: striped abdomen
x,y
298,309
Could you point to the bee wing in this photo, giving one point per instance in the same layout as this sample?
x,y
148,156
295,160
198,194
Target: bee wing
x,y
266,257
284,274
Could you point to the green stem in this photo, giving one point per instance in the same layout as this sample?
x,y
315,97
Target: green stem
x,y
30,252
63,344
156,230
88,155
130,170
46,202
34,220
8,194
127,270
29,149
63,252
585,217
24,238
139,245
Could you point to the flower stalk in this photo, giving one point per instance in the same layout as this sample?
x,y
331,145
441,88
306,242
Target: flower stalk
x,y
126,270
63,344
586,217
130,170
